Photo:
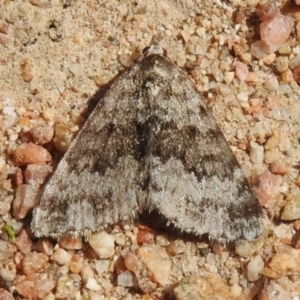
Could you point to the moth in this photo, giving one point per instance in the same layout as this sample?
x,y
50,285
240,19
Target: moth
x,y
150,144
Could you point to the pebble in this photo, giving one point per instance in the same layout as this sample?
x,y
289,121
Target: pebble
x,y
76,264
7,274
86,272
92,284
275,31
127,279
176,247
157,262
241,71
23,242
257,154
291,209
65,287
126,60
34,262
283,263
279,168
246,249
42,134
61,257
254,268
103,244
5,295
44,246
162,241
285,233
36,174
271,84
27,72
266,188
294,62
70,242
102,266
25,200
209,287
120,238
271,156
274,291
29,153
282,64
145,235
18,177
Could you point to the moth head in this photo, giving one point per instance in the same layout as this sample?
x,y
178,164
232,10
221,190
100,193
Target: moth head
x,y
154,48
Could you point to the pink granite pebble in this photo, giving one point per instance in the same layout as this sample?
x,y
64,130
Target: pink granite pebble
x,y
29,153
34,262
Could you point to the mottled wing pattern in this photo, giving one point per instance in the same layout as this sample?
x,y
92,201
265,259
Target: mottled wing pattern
x,y
150,143
101,179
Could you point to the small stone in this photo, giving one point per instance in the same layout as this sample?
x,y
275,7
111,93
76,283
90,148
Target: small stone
x,y
285,48
271,156
279,167
7,274
287,76
120,238
27,72
25,200
294,62
254,268
45,246
266,188
93,285
283,263
284,233
127,279
176,247
157,262
291,209
186,34
61,257
209,287
296,74
76,264
24,242
36,174
269,59
162,241
258,49
29,153
257,154
145,235
42,134
246,249
86,272
132,262
102,266
5,295
64,288
126,60
271,84
18,177
70,242
34,262
275,31
241,71
44,287
103,244
252,77
282,64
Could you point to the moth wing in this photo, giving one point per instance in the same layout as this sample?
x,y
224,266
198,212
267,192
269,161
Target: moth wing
x,y
195,179
100,178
